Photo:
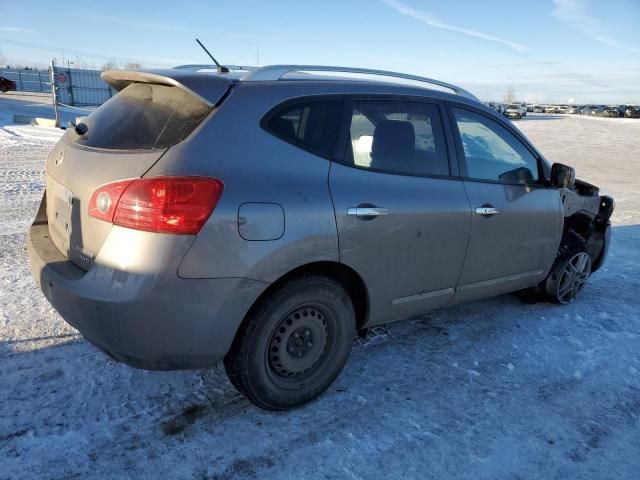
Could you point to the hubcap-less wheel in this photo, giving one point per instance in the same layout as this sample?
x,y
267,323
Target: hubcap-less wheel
x,y
297,344
294,342
573,277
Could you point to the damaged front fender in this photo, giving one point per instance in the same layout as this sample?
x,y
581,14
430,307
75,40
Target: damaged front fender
x,y
588,213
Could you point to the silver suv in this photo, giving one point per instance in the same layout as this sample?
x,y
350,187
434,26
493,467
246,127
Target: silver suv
x,y
263,217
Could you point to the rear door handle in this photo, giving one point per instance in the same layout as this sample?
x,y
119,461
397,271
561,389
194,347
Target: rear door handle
x,y
486,211
366,211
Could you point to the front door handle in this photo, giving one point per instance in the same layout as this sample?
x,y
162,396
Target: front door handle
x,y
368,212
486,211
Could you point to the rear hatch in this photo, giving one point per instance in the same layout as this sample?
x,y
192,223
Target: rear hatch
x,y
124,138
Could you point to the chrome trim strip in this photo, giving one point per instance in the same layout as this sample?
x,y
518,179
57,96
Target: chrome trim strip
x,y
495,281
422,296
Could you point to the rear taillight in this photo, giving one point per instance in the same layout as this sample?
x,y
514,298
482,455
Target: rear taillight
x,y
179,205
104,200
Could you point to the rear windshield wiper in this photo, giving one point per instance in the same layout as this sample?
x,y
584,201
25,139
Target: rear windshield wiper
x,y
80,128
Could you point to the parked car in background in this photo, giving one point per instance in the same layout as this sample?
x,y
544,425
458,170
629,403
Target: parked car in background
x,y
563,109
530,107
632,112
514,110
611,111
574,109
523,109
551,109
597,111
538,109
586,110
398,200
6,85
498,107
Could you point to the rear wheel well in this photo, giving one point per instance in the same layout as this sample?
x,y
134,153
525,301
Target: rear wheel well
x,y
344,275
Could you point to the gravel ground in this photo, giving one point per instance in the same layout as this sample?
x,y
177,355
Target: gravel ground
x,y
495,389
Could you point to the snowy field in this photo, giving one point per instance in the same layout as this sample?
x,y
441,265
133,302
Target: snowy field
x,y
496,389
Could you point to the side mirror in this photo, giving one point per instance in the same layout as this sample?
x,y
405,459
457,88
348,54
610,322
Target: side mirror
x,y
562,176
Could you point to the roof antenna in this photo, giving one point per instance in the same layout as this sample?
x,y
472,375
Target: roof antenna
x,y
221,68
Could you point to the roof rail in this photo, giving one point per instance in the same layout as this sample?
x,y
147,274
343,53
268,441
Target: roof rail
x,y
276,72
198,66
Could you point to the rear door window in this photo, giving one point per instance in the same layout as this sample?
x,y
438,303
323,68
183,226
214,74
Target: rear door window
x,y
397,137
311,124
143,116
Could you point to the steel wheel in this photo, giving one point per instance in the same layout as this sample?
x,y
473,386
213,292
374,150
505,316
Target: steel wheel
x,y
294,343
573,277
298,344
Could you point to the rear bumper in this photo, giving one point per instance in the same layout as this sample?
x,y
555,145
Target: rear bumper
x,y
147,319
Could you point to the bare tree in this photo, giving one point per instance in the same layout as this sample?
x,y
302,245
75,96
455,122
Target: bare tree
x,y
3,59
510,95
132,66
83,64
110,64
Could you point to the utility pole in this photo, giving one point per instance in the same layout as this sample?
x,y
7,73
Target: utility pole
x,y
53,94
257,52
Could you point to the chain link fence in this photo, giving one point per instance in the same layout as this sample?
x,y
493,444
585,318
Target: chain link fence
x,y
74,86
28,80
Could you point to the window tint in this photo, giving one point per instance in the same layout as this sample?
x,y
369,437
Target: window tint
x,y
143,117
398,137
309,124
492,152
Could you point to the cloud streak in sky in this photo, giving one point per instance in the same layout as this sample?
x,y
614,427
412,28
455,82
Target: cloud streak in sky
x,y
432,21
15,30
574,12
127,22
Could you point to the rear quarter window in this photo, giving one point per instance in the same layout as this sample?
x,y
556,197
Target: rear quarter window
x,y
143,117
311,124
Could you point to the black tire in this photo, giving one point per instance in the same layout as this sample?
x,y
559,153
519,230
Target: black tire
x,y
570,271
4,89
293,344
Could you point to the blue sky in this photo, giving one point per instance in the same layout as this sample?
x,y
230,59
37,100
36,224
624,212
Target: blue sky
x,y
546,50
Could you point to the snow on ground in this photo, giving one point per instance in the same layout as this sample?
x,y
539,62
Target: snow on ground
x,y
36,105
495,389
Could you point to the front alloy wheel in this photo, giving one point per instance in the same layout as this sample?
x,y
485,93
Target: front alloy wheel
x,y
570,271
573,277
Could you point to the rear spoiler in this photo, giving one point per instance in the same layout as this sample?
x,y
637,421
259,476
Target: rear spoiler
x,y
208,88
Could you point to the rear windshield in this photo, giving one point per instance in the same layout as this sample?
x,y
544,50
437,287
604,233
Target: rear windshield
x,y
143,116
